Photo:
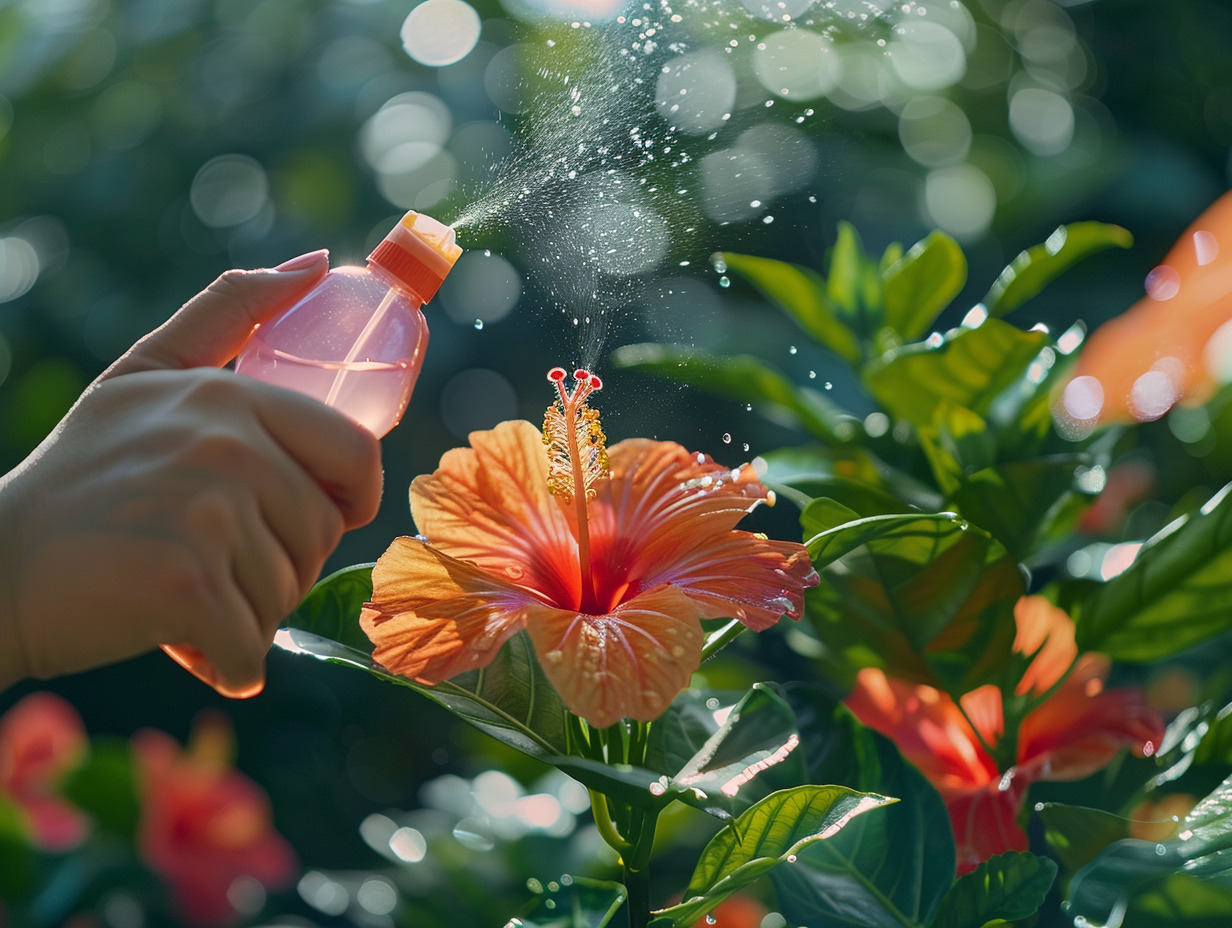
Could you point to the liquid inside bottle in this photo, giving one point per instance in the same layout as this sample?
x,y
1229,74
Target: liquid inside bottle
x,y
355,342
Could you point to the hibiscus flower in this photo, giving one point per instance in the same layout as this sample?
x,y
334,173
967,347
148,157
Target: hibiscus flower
x,y
1174,344
608,558
41,739
205,828
1076,730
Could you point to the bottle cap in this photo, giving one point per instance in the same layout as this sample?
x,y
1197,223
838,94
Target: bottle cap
x,y
418,251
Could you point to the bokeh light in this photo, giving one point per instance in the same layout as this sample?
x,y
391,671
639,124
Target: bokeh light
x,y
796,64
19,267
404,143
926,55
696,92
481,287
961,200
440,32
228,190
1042,120
934,131
476,399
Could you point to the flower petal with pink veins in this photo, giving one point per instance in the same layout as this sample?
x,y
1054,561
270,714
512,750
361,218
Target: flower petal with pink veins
x,y
489,504
630,663
742,576
432,617
661,502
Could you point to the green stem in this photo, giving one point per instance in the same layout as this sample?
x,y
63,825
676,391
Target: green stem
x,y
637,883
722,638
603,822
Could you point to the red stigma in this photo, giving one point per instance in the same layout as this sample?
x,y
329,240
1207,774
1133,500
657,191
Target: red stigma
x,y
556,374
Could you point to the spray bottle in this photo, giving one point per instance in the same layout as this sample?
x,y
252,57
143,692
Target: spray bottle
x,y
356,340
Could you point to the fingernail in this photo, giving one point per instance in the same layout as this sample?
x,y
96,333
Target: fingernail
x,y
303,262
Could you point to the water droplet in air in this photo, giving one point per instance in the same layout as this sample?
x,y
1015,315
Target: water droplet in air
x,y
534,885
712,703
767,219
812,375
829,386
710,919
478,323
566,879
792,350
727,438
724,281
746,447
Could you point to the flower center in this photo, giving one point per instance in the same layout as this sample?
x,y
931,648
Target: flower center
x,y
577,457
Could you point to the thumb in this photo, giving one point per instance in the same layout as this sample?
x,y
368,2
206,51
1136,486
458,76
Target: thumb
x,y
211,328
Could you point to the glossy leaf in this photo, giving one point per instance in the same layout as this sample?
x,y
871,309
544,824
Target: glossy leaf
x,y
970,368
920,284
854,284
744,379
926,597
510,699
887,869
1076,834
801,293
573,902
774,832
1009,887
1036,267
331,608
1173,596
1013,501
1141,878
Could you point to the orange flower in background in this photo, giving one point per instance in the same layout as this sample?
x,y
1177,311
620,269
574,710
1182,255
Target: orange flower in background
x,y
1173,344
205,828
607,558
1076,731
41,739
736,911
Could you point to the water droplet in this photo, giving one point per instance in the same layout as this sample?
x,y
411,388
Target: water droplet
x,y
657,789
712,703
792,350
1160,850
710,919
727,438
724,281
746,447
566,879
534,885
514,572
549,903
791,858
766,220
478,323
828,385
812,375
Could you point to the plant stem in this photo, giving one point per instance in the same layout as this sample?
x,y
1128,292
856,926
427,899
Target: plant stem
x,y
637,883
722,638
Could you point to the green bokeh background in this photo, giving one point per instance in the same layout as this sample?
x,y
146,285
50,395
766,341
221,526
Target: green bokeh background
x,y
108,109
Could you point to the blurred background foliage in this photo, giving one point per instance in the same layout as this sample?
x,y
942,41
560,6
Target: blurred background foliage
x,y
147,145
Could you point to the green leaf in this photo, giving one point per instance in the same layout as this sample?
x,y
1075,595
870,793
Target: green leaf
x,y
854,284
1175,594
745,379
774,832
1013,501
104,786
752,750
1144,878
1034,268
888,869
331,608
1076,834
710,751
920,284
16,856
510,699
926,597
956,442
1009,887
801,293
970,368
573,902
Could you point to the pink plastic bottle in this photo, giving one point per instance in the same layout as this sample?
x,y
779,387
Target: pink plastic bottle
x,y
356,340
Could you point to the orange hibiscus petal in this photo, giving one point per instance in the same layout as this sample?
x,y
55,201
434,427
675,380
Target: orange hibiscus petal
x,y
432,617
742,576
1082,727
489,504
985,821
1048,633
928,728
661,501
630,663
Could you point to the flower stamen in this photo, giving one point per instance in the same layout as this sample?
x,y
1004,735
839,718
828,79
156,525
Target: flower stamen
x,y
577,455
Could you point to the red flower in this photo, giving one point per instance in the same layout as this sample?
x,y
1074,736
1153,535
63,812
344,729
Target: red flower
x,y
204,826
1076,731
41,739
608,560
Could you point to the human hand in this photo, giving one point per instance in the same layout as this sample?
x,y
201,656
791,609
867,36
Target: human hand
x,y
177,503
